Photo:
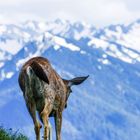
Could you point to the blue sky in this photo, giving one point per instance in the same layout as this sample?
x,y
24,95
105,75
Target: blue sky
x,y
96,12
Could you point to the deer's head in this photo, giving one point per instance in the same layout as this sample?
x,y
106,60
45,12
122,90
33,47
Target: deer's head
x,y
72,82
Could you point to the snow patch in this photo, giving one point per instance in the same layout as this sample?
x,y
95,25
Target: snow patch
x,y
2,29
26,35
62,42
82,52
98,43
42,26
9,75
6,75
104,61
125,54
30,25
99,67
11,46
85,33
56,47
1,64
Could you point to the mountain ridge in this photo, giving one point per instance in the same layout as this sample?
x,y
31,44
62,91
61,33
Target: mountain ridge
x,y
108,106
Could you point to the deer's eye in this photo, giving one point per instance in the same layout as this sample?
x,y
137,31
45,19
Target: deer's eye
x,y
70,90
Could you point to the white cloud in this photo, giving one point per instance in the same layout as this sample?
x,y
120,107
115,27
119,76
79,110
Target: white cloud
x,y
11,2
99,12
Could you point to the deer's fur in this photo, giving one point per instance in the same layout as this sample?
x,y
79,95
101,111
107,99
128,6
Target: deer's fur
x,y
46,92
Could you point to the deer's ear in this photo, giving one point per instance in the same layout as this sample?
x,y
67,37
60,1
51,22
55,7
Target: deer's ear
x,y
77,80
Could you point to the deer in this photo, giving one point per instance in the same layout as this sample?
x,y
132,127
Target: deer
x,y
45,94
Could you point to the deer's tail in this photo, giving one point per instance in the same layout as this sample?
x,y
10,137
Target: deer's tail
x,y
39,71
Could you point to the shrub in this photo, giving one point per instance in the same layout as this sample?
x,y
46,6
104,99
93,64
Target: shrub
x,y
9,134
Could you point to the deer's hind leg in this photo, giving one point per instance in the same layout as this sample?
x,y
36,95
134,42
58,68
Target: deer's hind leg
x,y
45,119
32,110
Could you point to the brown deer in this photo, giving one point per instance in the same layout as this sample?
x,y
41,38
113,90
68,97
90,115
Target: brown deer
x,y
45,92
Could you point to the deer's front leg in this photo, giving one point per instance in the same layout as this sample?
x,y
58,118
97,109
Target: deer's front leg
x,y
58,124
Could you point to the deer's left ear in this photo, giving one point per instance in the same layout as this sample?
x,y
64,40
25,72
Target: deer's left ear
x,y
77,80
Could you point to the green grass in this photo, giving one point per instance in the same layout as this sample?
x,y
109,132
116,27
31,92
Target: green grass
x,y
9,134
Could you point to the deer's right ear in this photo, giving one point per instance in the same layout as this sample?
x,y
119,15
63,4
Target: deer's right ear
x,y
40,72
75,81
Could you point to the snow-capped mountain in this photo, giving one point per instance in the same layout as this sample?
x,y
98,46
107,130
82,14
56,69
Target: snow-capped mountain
x,y
106,106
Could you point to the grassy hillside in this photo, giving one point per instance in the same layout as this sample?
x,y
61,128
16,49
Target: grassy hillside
x,y
8,134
